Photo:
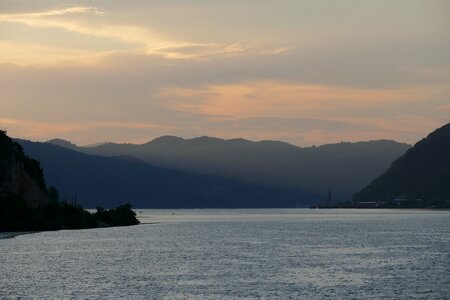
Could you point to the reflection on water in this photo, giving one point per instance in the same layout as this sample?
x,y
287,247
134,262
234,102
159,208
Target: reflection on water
x,y
297,253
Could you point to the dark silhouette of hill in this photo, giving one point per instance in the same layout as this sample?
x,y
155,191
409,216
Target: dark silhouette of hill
x,y
109,181
20,175
423,172
344,167
63,143
27,204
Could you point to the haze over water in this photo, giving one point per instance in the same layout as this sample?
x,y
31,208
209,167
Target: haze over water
x,y
265,253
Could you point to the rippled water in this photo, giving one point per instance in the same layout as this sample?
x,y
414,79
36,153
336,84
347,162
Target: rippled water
x,y
295,253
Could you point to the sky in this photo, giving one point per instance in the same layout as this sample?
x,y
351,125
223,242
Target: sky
x,y
304,72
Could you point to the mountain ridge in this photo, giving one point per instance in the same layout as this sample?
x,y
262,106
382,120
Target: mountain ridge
x,y
108,181
343,167
164,138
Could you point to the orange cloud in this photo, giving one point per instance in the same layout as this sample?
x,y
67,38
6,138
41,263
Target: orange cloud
x,y
138,40
24,54
392,113
272,98
444,107
49,13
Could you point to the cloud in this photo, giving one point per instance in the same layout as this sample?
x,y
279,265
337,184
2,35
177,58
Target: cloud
x,y
18,17
274,98
444,107
138,40
26,54
207,68
312,114
142,90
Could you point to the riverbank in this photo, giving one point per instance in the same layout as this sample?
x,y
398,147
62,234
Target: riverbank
x,y
12,234
9,235
17,216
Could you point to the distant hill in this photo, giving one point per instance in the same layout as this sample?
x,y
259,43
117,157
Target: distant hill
x,y
423,172
63,143
109,181
344,167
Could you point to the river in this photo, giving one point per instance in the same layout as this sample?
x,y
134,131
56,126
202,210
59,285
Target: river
x,y
243,253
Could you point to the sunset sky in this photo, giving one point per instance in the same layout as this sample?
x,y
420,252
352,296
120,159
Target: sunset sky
x,y
305,72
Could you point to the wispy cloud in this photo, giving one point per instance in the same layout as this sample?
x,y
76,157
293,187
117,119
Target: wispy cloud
x,y
444,107
273,98
139,40
25,54
14,17
223,68
361,114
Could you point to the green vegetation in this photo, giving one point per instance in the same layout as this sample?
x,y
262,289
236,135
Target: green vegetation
x,y
26,204
420,178
16,215
119,216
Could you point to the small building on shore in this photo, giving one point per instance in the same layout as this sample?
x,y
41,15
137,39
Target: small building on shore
x,y
368,204
399,200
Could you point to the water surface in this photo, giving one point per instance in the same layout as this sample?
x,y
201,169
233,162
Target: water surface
x,y
264,253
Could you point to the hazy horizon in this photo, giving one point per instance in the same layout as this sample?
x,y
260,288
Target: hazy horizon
x,y
303,72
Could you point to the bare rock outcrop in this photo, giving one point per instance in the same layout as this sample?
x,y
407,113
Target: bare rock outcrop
x,y
20,176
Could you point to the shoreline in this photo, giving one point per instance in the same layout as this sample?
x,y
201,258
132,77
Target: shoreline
x,y
393,208
12,234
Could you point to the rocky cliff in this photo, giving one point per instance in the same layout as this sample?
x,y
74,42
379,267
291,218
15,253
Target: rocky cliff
x,y
20,176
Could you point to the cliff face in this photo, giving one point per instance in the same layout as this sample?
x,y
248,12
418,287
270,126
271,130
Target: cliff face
x,y
20,176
